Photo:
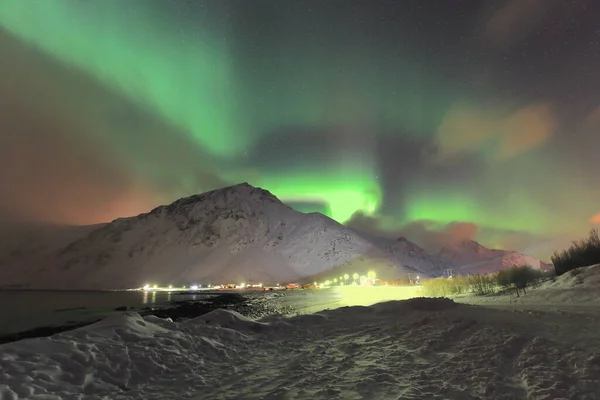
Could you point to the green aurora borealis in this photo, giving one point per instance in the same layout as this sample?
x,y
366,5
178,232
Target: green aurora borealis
x,y
396,119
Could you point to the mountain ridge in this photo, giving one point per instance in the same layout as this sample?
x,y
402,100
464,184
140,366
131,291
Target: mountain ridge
x,y
228,235
235,234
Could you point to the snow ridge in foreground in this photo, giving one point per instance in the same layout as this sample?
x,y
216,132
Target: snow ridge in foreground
x,y
414,349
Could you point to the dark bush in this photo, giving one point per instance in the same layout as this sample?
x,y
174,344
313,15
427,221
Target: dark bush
x,y
518,278
442,287
582,253
503,279
482,284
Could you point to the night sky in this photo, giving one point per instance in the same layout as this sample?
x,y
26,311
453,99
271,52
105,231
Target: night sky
x,y
433,119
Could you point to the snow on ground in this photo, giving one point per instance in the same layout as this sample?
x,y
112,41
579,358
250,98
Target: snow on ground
x,y
579,287
413,349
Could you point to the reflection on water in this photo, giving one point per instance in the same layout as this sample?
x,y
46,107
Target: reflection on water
x,y
152,299
29,309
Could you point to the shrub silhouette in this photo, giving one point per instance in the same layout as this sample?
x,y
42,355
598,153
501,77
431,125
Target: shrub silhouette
x,y
482,284
522,277
517,278
582,253
442,287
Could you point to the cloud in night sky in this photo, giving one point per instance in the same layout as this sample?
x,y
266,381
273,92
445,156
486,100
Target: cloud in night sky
x,y
514,20
431,120
494,134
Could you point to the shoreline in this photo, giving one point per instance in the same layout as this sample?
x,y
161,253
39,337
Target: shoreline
x,y
177,310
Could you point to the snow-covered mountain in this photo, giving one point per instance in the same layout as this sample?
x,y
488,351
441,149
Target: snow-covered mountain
x,y
468,256
231,235
413,256
464,257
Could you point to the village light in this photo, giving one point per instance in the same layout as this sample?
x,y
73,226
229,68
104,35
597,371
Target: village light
x,y
146,287
194,287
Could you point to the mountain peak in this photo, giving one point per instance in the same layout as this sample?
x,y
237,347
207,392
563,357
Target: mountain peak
x,y
227,197
469,244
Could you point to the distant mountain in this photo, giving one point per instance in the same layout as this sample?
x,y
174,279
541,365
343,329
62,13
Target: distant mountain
x,y
413,257
230,235
468,256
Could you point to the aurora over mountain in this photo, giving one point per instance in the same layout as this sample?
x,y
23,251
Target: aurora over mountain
x,y
478,119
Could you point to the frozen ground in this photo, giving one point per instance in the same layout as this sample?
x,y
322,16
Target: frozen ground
x,y
414,349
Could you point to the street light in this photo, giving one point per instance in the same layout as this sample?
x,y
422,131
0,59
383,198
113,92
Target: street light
x,y
372,275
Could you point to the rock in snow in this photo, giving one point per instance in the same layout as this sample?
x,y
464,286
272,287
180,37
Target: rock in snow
x,y
417,349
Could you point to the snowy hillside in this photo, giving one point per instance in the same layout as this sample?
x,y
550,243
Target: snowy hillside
x,y
579,287
20,241
414,257
471,257
437,349
231,235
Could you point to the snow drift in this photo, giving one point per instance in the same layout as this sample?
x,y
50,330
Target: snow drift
x,y
415,349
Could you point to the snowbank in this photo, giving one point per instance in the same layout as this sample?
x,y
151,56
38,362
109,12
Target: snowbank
x,y
413,349
579,287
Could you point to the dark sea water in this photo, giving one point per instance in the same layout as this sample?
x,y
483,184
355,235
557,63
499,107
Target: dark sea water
x,y
25,310
22,310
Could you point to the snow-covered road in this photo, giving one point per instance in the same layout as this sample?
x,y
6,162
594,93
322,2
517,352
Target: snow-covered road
x,y
414,349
